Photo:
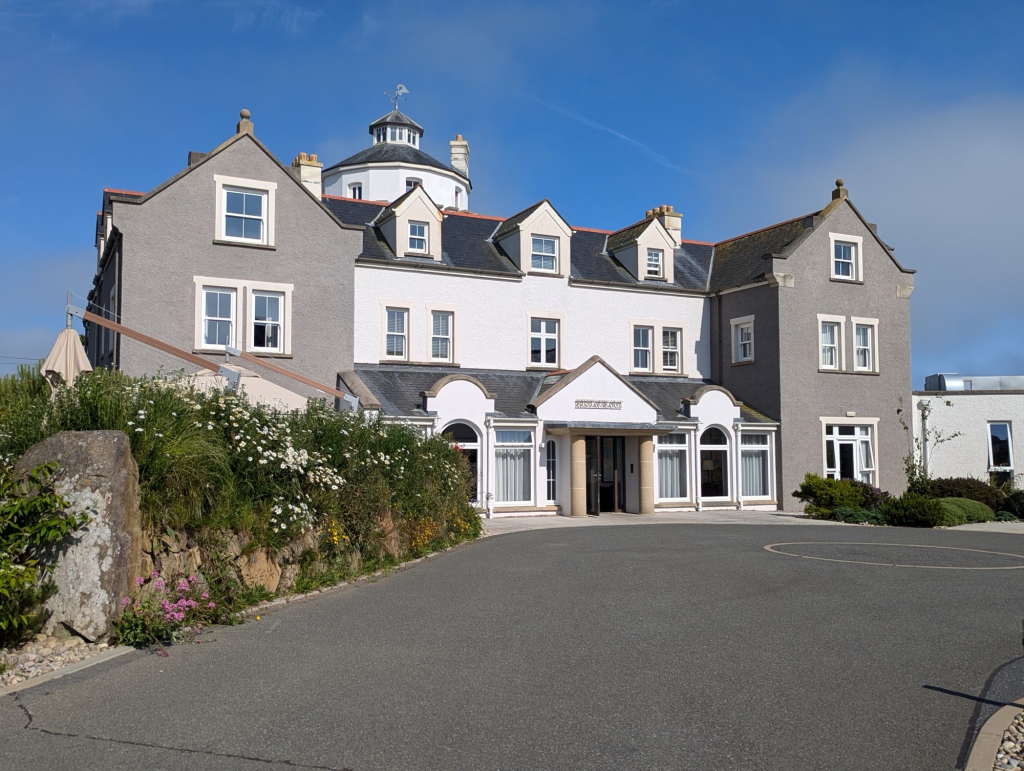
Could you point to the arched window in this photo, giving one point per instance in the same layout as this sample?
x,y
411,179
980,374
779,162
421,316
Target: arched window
x,y
552,465
714,464
467,440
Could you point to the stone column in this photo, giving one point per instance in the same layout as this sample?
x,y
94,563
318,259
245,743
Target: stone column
x,y
646,474
578,475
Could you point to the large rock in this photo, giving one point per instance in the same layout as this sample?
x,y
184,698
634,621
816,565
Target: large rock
x,y
97,565
259,568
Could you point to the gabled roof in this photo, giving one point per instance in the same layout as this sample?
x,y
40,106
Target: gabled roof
x,y
517,219
386,152
392,207
551,386
740,260
395,118
623,238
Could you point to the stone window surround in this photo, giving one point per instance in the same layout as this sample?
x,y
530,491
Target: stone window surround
x,y
401,305
840,342
852,421
657,361
243,289
269,189
453,336
558,316
856,321
734,325
858,259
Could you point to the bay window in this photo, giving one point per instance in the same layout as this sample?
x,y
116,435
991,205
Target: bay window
x,y
672,475
512,464
754,465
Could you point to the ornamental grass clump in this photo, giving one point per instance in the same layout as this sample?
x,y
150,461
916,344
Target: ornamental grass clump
x,y
162,611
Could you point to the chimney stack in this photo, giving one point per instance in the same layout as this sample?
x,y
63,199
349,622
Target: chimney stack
x,y
460,155
244,125
672,220
840,192
309,173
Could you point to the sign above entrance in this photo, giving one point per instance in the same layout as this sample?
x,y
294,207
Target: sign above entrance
x,y
598,404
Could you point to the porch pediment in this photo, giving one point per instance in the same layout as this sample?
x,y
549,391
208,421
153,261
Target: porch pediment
x,y
594,393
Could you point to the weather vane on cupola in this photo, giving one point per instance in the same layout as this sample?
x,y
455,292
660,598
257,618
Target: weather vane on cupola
x,y
399,93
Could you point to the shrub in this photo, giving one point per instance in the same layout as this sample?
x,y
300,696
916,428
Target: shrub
x,y
32,522
912,510
874,498
1014,503
822,496
961,511
966,487
857,516
1006,516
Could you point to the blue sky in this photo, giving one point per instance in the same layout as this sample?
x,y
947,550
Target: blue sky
x,y
739,114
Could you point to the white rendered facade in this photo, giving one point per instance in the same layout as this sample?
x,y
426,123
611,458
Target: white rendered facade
x,y
386,182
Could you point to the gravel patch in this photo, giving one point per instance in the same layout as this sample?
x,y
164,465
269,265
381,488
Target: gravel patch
x,y
1011,749
44,654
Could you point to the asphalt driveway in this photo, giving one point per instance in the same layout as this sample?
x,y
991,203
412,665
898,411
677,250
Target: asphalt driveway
x,y
654,647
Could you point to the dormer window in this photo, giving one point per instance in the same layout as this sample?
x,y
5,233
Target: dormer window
x,y
417,237
544,256
655,267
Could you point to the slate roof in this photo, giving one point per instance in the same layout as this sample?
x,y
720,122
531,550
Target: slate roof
x,y
667,392
398,387
397,118
466,245
386,152
626,236
741,261
510,224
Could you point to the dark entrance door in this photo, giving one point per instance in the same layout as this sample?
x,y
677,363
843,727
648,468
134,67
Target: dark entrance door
x,y
606,478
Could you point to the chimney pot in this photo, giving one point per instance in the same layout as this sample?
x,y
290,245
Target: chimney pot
x,y
460,155
309,172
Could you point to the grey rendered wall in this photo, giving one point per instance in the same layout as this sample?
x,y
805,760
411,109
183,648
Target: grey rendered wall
x,y
806,393
756,383
168,239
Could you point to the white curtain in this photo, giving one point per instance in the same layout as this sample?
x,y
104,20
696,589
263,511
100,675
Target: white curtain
x,y
513,474
754,468
671,474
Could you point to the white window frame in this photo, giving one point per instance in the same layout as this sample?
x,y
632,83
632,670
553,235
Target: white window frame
x,y
872,324
730,471
434,313
232,318
253,294
411,182
824,318
872,424
425,238
543,335
551,468
659,259
353,189
243,309
534,253
405,334
504,445
1009,437
224,183
676,447
677,349
738,324
857,242
767,449
636,348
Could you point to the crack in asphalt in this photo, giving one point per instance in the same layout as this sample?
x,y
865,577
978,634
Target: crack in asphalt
x,y
128,742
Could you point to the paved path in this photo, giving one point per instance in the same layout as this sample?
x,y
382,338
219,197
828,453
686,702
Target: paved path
x,y
658,647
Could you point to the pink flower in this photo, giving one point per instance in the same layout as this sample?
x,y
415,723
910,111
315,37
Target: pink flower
x,y
159,584
182,585
125,602
204,596
212,605
154,574
192,579
140,581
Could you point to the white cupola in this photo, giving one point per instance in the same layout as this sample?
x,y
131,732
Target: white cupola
x,y
394,163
